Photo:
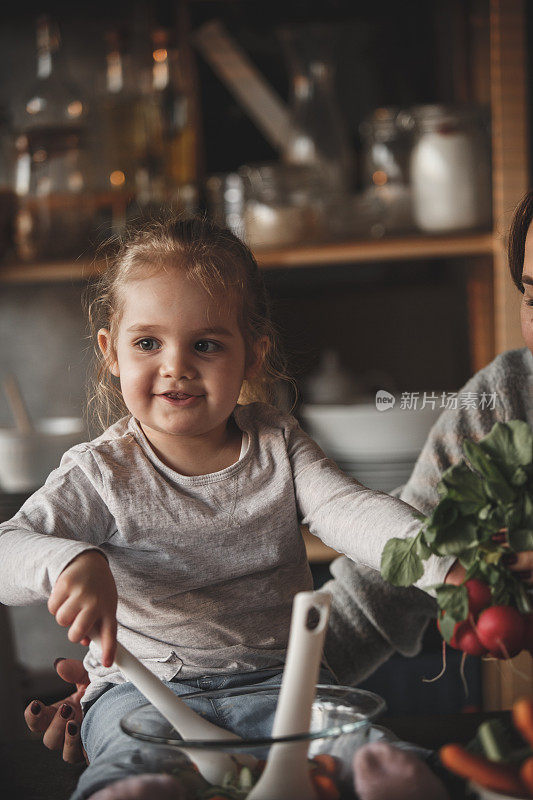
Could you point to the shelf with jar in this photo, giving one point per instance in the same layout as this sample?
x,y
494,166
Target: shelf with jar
x,y
301,210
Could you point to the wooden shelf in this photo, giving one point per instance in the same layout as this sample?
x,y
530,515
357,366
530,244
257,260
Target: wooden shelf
x,y
48,272
397,249
360,251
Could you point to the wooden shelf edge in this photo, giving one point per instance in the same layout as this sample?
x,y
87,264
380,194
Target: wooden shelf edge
x,y
359,251
48,272
393,249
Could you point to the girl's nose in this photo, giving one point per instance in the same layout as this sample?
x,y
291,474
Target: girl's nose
x,y
178,365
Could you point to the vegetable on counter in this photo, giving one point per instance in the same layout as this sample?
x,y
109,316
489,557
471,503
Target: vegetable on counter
x,y
485,512
503,778
500,757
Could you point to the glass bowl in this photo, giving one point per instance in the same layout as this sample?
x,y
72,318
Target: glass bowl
x,y
340,724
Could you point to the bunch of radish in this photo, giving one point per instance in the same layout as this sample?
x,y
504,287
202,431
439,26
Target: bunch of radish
x,y
500,631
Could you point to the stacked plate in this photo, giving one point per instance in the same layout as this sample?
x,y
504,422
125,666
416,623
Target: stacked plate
x,y
377,447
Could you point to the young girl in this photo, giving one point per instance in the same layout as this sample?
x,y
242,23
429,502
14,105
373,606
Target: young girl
x,y
181,521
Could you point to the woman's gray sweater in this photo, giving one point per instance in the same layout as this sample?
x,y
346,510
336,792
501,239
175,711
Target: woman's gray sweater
x,y
372,619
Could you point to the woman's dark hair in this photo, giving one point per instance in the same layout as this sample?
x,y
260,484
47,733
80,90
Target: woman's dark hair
x,y
517,238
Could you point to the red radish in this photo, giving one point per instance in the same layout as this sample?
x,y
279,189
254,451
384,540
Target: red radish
x,y
467,640
479,595
501,630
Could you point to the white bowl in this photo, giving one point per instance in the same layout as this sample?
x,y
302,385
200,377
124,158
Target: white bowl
x,y
361,431
27,459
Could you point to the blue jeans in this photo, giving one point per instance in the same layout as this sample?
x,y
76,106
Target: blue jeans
x,y
113,755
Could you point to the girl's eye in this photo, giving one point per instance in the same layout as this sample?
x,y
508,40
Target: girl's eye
x,y
147,344
528,301
205,346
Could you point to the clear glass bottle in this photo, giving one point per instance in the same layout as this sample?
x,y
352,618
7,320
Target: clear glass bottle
x,y
386,148
450,168
55,208
170,81
113,145
385,169
320,137
164,137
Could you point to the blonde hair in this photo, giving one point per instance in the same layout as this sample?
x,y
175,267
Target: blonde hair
x,y
219,262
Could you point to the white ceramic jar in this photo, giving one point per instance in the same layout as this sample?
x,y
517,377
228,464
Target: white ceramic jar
x,y
450,168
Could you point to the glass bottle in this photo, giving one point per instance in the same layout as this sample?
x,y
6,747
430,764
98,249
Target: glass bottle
x,y
55,210
385,169
386,146
119,142
172,92
320,137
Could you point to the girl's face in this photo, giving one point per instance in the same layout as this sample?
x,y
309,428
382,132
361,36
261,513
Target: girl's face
x,y
526,307
180,357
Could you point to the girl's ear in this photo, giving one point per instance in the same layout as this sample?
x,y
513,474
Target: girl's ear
x,y
107,350
256,357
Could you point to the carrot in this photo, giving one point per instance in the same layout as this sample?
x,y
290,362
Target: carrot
x,y
325,787
523,718
327,763
490,774
526,774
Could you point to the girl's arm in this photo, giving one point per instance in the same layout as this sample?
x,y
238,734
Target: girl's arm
x,y
49,551
63,519
346,515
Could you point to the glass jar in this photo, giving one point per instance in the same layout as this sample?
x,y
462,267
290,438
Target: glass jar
x,y
450,168
283,204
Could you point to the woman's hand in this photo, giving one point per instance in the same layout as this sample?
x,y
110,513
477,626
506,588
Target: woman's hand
x,y
519,563
60,723
85,598
456,574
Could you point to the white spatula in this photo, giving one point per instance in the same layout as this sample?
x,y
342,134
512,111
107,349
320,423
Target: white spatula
x,y
213,765
286,775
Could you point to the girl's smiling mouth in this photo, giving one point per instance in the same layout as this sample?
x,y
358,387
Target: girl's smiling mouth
x,y
180,398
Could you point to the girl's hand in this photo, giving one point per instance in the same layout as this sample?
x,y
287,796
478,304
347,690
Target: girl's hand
x,y
60,723
85,598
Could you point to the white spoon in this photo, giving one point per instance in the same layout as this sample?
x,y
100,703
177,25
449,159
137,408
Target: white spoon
x,y
286,775
213,765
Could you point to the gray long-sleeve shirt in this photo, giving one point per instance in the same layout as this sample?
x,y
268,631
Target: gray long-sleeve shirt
x,y
370,619
206,566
